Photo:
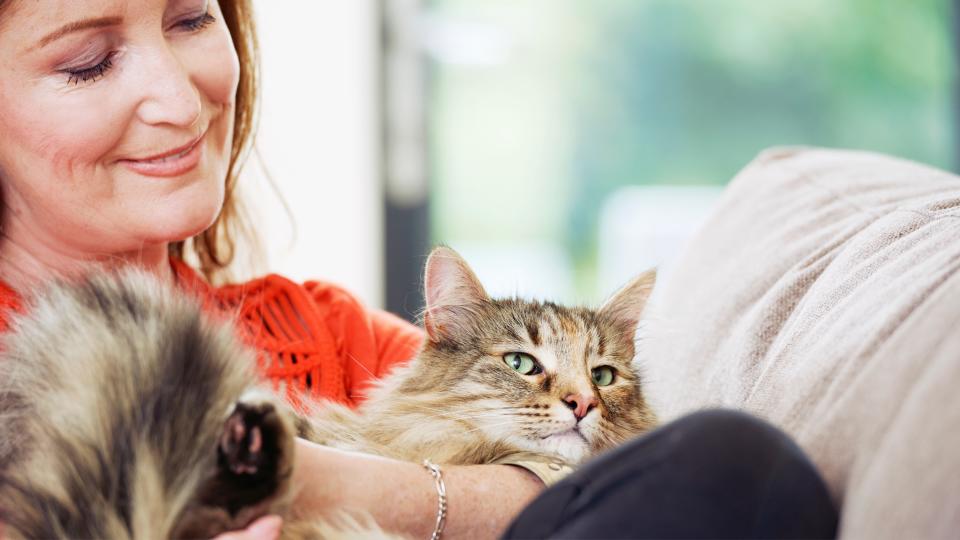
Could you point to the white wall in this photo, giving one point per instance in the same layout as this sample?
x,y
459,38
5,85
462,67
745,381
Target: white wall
x,y
319,141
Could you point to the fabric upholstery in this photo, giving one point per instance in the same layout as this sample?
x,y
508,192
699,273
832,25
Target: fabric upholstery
x,y
823,295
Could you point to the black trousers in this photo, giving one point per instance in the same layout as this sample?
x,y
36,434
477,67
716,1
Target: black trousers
x,y
713,474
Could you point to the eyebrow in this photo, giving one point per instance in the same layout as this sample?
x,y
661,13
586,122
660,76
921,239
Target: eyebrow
x,y
76,27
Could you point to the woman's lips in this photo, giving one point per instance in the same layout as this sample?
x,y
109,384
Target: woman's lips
x,y
173,163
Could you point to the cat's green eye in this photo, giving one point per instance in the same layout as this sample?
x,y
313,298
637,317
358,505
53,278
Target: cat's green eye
x,y
522,363
603,375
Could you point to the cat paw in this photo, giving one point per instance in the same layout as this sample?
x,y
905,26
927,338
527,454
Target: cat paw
x,y
250,439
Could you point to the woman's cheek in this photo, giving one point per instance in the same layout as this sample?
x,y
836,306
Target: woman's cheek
x,y
83,132
215,71
215,66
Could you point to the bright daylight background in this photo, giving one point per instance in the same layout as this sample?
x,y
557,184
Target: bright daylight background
x,y
319,142
569,144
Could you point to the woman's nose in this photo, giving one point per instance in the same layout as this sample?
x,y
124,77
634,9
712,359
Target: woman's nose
x,y
171,98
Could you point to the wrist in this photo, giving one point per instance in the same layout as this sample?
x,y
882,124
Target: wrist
x,y
400,496
315,480
437,474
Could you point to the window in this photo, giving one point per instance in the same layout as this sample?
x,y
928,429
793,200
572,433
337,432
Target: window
x,y
571,143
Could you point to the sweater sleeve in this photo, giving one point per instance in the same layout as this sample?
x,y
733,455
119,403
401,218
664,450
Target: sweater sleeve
x,y
397,340
369,341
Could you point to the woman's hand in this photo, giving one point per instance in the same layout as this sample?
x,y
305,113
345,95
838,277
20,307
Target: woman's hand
x,y
265,528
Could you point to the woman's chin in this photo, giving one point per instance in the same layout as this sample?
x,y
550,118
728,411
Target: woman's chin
x,y
176,226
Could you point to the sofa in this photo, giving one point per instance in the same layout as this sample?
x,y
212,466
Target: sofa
x,y
823,295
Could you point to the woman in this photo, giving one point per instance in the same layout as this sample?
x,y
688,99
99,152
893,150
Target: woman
x,y
122,129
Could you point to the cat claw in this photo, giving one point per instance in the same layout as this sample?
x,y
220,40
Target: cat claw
x,y
242,441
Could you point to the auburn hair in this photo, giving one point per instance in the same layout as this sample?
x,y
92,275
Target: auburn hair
x,y
215,248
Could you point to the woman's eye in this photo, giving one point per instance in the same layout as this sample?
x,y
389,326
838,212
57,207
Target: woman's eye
x,y
522,363
198,23
92,73
603,375
95,72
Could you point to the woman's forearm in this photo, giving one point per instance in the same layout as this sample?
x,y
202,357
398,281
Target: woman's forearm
x,y
402,497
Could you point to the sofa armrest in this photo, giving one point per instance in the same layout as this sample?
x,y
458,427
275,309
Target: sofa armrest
x,y
823,295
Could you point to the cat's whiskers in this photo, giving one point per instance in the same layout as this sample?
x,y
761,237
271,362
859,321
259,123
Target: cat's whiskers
x,y
363,367
473,420
465,415
480,422
488,426
609,433
501,410
446,411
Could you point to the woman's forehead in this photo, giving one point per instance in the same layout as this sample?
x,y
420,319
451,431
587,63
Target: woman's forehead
x,y
29,25
61,12
34,20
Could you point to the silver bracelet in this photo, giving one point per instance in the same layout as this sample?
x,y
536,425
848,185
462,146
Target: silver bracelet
x,y
441,494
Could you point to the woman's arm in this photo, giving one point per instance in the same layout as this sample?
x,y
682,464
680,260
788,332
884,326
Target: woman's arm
x,y
402,497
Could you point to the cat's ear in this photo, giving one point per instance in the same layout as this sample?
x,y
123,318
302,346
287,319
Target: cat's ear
x,y
452,293
626,306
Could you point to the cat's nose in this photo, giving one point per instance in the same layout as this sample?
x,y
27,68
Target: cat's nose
x,y
580,404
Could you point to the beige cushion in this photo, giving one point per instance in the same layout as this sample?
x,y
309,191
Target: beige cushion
x,y
824,295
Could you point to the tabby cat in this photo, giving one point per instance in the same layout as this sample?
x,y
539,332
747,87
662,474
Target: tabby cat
x,y
127,413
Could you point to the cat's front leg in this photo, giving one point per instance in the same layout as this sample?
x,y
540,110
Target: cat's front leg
x,y
253,468
257,441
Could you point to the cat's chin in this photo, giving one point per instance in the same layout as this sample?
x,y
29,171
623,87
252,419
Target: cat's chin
x,y
571,445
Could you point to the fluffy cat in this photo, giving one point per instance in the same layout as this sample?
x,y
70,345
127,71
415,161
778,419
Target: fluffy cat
x,y
127,413
503,377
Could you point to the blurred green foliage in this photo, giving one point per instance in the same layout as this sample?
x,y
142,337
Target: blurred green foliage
x,y
596,94
687,91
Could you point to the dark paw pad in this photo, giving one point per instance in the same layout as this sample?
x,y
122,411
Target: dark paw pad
x,y
248,443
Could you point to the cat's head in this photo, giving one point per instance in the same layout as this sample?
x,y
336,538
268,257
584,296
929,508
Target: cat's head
x,y
547,378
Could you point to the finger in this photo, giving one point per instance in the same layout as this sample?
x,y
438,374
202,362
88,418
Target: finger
x,y
265,528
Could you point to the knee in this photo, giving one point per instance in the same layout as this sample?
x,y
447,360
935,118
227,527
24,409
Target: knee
x,y
729,425
734,438
772,476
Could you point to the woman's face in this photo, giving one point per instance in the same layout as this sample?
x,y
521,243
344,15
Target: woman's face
x,y
116,121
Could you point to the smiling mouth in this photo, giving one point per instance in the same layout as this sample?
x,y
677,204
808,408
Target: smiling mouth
x,y
168,158
172,163
170,155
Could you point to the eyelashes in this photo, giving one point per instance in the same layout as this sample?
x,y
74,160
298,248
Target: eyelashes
x,y
198,23
93,73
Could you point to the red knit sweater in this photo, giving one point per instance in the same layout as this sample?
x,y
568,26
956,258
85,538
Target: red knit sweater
x,y
314,339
